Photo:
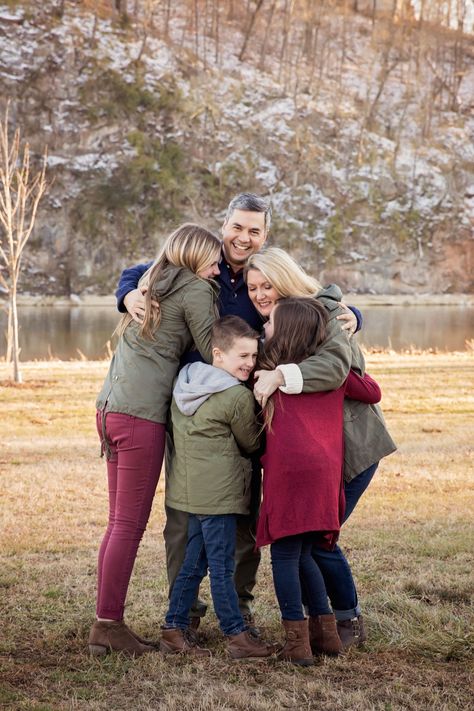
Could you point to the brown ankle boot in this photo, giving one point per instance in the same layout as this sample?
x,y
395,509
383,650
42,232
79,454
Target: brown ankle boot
x,y
248,646
352,632
114,636
177,641
297,649
323,635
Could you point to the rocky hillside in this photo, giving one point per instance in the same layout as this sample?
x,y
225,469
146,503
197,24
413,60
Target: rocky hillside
x,y
366,146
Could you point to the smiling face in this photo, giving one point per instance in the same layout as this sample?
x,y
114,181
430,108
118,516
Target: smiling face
x,y
212,270
238,360
243,234
263,295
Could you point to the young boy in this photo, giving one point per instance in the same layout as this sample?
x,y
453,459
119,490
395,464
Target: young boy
x,y
213,416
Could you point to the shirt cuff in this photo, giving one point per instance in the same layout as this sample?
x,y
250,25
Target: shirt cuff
x,y
293,378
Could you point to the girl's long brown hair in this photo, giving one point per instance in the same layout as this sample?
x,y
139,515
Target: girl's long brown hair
x,y
299,327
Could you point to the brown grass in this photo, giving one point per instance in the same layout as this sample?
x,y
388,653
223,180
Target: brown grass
x,y
410,542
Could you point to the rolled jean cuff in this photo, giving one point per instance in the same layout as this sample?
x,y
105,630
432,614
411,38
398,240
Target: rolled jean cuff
x,y
167,626
237,630
342,615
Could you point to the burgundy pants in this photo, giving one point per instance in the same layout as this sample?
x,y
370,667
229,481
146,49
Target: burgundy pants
x,y
133,469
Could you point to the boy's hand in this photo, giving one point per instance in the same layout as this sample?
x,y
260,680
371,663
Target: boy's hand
x,y
134,302
349,321
267,381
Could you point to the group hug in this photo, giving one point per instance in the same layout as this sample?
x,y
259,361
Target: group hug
x,y
241,368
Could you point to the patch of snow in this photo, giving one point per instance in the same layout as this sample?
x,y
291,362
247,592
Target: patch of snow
x,y
54,161
267,173
94,161
357,257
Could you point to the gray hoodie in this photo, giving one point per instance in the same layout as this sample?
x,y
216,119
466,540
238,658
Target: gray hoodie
x,y
196,383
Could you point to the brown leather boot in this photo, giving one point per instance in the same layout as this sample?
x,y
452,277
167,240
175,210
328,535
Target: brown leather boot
x,y
323,635
297,649
177,641
114,636
248,646
352,632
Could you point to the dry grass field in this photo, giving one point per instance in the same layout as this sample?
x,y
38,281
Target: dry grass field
x,y
410,541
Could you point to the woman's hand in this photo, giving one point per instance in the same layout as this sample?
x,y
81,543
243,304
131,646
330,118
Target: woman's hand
x,y
267,381
349,321
134,302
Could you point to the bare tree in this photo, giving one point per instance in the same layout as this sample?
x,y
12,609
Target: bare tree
x,y
121,7
250,25
20,194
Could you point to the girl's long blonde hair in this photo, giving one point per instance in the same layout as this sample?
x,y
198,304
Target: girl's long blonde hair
x,y
283,273
189,246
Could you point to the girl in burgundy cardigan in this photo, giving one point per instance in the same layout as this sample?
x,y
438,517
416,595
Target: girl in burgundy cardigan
x,y
303,495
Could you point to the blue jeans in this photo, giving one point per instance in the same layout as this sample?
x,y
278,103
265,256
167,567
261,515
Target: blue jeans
x,y
211,545
333,565
295,572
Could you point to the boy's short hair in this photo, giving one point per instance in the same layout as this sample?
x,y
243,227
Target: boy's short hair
x,y
227,329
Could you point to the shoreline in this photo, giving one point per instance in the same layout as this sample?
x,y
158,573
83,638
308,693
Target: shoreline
x,y
354,299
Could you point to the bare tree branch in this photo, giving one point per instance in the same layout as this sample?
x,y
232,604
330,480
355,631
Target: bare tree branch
x,y
20,195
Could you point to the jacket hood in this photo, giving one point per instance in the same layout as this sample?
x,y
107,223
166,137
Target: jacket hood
x,y
196,383
331,292
173,278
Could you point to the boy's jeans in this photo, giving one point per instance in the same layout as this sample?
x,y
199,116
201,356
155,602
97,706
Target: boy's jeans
x,y
211,545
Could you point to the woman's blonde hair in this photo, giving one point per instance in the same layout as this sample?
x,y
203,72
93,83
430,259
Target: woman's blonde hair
x,y
283,273
189,246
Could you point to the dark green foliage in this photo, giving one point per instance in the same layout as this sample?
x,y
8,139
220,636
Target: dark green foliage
x,y
114,97
143,194
148,191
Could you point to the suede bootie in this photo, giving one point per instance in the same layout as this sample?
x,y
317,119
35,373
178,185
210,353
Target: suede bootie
x,y
323,635
248,646
352,632
115,636
297,648
177,641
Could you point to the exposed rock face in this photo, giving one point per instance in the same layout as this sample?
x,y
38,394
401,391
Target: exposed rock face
x,y
143,136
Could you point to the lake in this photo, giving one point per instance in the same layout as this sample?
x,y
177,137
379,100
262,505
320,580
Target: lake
x,y
61,332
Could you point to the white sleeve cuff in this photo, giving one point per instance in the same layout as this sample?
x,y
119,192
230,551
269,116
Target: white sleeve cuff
x,y
293,378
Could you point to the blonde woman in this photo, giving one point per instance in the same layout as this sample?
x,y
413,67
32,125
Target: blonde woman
x,y
132,410
273,275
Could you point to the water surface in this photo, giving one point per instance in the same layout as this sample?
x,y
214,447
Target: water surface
x,y
63,332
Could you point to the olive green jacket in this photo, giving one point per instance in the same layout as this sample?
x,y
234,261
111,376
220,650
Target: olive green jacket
x,y
141,374
366,438
208,474
330,365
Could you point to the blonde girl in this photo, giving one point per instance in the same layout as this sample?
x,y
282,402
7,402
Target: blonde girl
x,y
132,410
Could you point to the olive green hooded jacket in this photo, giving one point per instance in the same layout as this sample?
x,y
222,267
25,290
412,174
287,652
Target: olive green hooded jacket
x,y
366,438
141,374
214,425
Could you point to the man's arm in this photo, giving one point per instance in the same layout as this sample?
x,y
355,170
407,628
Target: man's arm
x,y
351,319
128,282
